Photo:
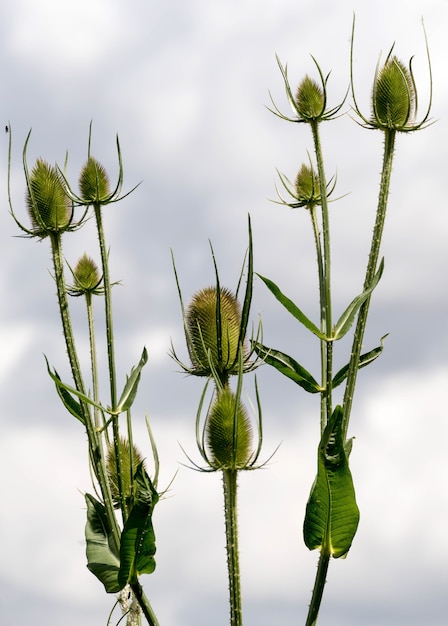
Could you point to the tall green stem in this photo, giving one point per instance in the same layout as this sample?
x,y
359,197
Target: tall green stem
x,y
388,154
95,450
229,479
318,590
324,284
110,349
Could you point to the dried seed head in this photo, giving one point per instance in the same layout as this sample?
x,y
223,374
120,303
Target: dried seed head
x,y
228,433
213,334
94,182
49,206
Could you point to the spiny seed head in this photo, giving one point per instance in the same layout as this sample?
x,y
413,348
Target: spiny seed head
x,y
49,206
310,100
307,186
127,473
94,182
393,99
206,336
86,275
228,432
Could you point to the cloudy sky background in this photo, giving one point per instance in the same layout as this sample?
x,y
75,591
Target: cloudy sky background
x,y
185,85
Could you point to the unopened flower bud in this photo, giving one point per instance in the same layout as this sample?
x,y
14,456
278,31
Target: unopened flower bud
x,y
94,182
307,187
127,472
228,433
86,277
393,96
212,336
310,100
49,207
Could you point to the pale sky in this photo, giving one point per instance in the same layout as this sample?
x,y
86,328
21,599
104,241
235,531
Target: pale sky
x,y
186,85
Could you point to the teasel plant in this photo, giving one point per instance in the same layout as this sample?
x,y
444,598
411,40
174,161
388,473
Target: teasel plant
x,y
118,549
215,327
332,514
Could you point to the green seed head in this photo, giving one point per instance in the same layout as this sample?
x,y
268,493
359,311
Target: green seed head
x,y
94,182
307,187
209,335
228,433
393,99
127,473
49,207
310,100
86,275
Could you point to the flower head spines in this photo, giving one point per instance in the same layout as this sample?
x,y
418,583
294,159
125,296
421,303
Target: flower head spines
x,y
310,100
49,206
94,182
307,186
309,104
129,461
228,433
394,94
87,278
213,321
393,97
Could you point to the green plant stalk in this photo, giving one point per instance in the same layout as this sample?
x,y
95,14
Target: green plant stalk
x,y
110,349
136,587
383,196
144,603
325,288
99,423
229,479
323,346
318,590
324,270
95,452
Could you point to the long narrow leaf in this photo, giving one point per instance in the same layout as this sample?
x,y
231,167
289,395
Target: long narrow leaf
x,y
287,366
130,388
365,359
332,515
72,390
347,318
68,400
292,308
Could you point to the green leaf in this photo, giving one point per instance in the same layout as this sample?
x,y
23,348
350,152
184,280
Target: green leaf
x,y
332,515
347,318
61,385
292,308
130,388
287,366
365,359
138,544
68,400
102,560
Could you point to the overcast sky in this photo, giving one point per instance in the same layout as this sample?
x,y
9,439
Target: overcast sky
x,y
185,85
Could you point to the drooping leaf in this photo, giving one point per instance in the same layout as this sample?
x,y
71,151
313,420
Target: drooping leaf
x,y
365,359
292,308
138,544
71,390
332,515
130,388
68,400
287,366
102,559
347,318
